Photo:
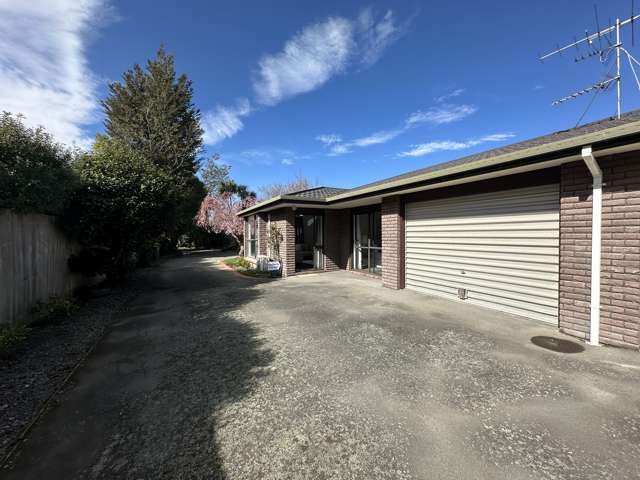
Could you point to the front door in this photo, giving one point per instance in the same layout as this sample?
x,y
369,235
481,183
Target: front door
x,y
367,245
309,242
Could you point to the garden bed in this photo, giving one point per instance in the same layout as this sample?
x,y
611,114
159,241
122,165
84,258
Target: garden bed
x,y
245,267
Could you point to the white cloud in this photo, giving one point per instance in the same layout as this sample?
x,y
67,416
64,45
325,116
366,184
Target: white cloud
x,y
329,138
376,138
44,73
497,137
265,156
252,156
320,52
224,122
448,145
430,147
375,36
447,96
442,115
339,149
435,116
307,61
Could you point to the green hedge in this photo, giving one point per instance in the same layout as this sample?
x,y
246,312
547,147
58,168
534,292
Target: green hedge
x,y
35,172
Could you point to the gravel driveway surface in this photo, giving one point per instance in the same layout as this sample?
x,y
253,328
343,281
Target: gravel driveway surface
x,y
330,376
48,356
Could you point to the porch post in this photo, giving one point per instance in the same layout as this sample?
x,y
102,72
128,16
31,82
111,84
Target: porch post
x,y
288,247
261,225
392,242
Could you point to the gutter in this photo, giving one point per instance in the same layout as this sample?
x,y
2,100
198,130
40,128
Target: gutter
x,y
626,129
596,243
280,199
613,137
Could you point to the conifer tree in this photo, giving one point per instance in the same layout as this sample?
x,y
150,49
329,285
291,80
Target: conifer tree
x,y
152,112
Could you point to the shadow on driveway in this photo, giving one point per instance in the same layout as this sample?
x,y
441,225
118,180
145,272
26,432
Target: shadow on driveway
x,y
145,404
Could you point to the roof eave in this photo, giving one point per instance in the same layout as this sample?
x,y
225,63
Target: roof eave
x,y
541,150
282,199
242,213
614,132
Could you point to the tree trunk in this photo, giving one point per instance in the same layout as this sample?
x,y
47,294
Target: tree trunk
x,y
240,245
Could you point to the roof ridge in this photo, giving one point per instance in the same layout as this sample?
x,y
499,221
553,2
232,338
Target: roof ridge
x,y
300,191
314,188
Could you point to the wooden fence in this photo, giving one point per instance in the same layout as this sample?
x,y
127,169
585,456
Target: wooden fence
x,y
33,263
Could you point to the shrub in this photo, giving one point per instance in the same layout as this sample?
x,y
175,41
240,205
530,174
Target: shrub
x,y
11,337
244,266
274,239
122,205
90,261
240,263
35,175
53,310
82,293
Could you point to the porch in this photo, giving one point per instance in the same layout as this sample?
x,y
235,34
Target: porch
x,y
319,240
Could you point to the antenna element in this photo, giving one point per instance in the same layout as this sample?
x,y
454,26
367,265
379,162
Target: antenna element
x,y
602,52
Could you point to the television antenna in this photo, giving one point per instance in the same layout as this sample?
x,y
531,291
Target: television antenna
x,y
601,45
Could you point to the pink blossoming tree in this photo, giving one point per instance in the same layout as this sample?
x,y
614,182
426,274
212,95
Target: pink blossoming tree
x,y
219,214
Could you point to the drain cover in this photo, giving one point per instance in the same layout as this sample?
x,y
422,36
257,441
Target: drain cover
x,y
557,344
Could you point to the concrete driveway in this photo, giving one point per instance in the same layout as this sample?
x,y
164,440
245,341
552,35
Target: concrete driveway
x,y
330,376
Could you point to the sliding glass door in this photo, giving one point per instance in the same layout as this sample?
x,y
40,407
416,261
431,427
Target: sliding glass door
x,y
367,245
309,242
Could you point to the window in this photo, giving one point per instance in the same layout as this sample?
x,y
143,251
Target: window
x,y
269,253
251,237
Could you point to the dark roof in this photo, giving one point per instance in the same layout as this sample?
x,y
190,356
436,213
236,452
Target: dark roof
x,y
514,147
551,142
317,193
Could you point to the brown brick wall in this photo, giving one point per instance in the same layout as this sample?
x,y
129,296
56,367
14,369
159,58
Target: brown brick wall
x,y
575,249
285,221
337,237
261,225
392,242
620,269
518,180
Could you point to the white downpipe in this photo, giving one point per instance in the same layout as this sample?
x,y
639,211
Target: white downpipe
x,y
596,243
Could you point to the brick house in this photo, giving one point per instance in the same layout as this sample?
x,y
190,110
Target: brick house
x,y
517,229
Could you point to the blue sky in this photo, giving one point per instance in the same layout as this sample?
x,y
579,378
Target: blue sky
x,y
343,93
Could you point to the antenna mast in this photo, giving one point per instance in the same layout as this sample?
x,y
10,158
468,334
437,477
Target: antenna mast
x,y
602,52
618,78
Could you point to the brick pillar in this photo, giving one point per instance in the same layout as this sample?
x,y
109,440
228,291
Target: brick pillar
x,y
575,249
284,219
261,225
392,242
620,267
245,229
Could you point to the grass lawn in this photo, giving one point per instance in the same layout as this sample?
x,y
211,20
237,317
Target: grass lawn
x,y
245,267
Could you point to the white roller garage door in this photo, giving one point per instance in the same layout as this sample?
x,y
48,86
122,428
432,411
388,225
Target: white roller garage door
x,y
502,247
